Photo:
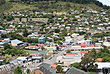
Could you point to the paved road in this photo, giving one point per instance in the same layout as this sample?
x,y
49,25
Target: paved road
x,y
34,66
53,60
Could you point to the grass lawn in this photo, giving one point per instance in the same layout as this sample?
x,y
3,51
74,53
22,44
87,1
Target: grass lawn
x,y
26,50
19,6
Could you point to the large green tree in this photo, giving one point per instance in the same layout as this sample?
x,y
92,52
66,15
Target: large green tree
x,y
6,46
7,58
28,71
59,69
18,70
76,65
68,51
2,2
25,32
57,30
106,59
15,51
87,63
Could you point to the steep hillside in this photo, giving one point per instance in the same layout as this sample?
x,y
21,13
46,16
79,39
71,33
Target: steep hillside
x,y
15,7
47,6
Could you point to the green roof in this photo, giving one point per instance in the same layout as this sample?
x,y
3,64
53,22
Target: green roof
x,y
51,48
40,52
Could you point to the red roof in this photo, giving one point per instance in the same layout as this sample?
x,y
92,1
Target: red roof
x,y
83,51
69,54
32,46
32,55
60,45
92,45
53,66
82,45
37,72
99,59
96,46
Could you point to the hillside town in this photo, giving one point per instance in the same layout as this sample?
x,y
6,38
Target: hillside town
x,y
74,42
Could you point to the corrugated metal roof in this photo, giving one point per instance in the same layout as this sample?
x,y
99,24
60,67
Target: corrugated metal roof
x,y
16,41
41,37
73,70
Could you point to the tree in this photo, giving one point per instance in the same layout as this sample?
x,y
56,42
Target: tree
x,y
74,19
3,36
68,51
6,46
57,30
106,59
2,2
18,70
28,71
40,6
59,69
14,51
94,52
9,18
25,32
7,58
90,72
20,19
1,51
76,65
11,0
87,63
95,40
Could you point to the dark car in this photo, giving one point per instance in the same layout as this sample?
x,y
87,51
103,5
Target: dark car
x,y
50,58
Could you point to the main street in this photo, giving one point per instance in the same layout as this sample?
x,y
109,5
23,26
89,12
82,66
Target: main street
x,y
51,61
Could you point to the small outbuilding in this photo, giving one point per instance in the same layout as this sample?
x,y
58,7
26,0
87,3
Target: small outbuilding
x,y
41,39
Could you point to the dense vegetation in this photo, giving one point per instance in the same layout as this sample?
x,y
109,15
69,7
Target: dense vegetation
x,y
87,61
2,2
74,1
19,37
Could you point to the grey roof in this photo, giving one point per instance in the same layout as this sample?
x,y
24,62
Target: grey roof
x,y
41,37
46,69
73,70
17,41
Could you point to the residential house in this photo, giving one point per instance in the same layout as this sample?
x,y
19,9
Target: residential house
x,y
37,53
32,47
33,35
41,39
7,40
16,43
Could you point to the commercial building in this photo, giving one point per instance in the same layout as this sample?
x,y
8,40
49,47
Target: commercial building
x,y
16,43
